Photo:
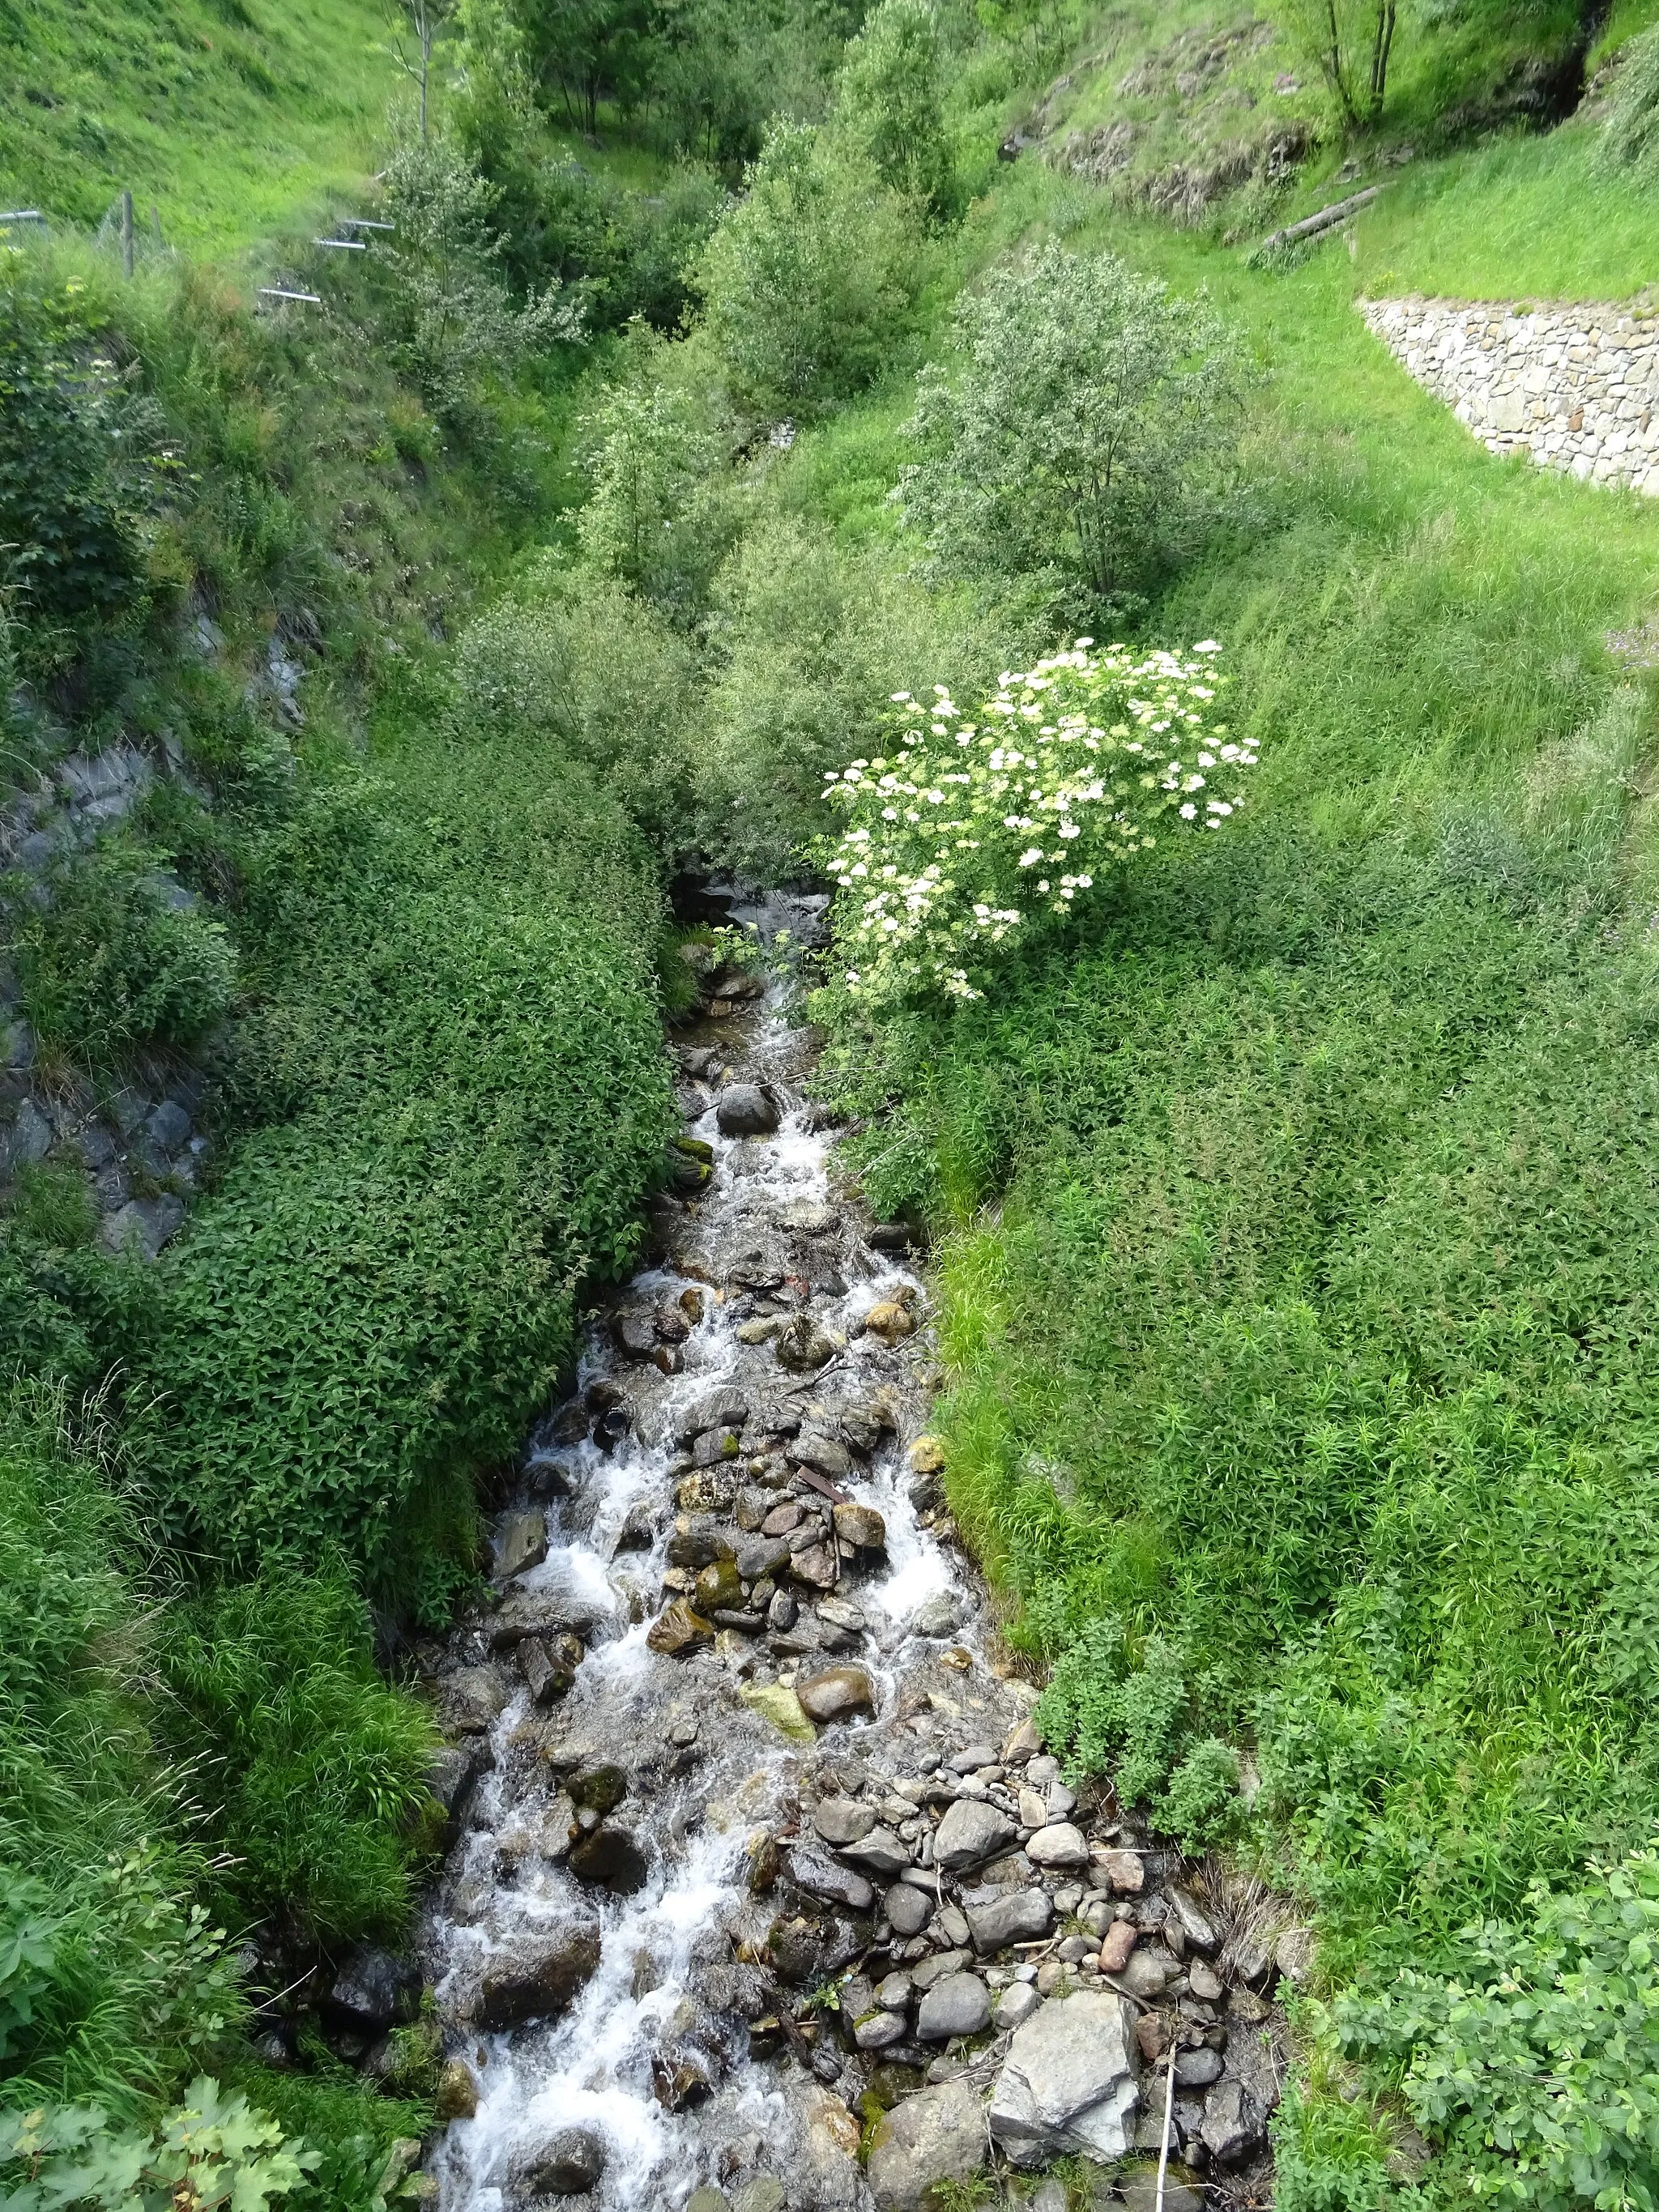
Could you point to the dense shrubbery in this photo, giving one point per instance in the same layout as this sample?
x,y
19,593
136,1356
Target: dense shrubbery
x,y
273,1706
113,962
458,1028
1089,438
811,276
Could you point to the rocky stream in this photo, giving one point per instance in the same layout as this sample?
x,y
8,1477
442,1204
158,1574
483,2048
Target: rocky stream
x,y
762,1890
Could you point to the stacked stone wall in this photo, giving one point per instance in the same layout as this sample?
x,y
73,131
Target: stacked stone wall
x,y
1575,385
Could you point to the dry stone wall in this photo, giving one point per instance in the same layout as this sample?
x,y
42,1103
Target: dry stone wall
x,y
1575,385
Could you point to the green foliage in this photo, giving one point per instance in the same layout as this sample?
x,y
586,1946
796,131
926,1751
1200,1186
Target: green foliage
x,y
457,1027
445,311
1201,1807
315,1766
111,1979
353,2127
1350,43
947,864
663,510
579,663
1092,434
77,465
889,103
1629,130
112,963
1533,2063
1104,1713
213,2151
811,277
814,636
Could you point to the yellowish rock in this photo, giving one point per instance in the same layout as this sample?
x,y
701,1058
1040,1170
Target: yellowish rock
x,y
928,1457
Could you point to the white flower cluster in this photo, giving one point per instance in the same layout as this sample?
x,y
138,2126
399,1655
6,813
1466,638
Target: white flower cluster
x,y
971,830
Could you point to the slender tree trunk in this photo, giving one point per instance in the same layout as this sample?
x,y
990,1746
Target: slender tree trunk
x,y
1379,46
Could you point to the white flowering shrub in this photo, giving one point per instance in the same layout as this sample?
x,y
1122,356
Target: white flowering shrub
x,y
963,835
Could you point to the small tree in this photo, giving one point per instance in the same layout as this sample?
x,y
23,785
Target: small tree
x,y
811,276
663,509
446,306
1349,42
890,103
1090,437
415,25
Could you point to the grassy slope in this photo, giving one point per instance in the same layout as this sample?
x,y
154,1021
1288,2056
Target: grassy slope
x,y
1319,1164
223,114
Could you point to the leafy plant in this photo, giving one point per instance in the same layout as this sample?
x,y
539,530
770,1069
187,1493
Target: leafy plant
x,y
1109,1715
1534,2061
1349,42
889,103
811,276
940,866
113,962
662,512
316,1766
1089,440
79,456
214,2150
444,306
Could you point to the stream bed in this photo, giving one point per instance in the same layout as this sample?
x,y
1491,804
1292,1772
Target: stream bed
x,y
763,1892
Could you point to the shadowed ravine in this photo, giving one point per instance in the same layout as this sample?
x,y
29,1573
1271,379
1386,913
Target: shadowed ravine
x,y
657,1863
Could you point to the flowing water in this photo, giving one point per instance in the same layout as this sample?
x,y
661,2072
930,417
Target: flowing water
x,y
652,2058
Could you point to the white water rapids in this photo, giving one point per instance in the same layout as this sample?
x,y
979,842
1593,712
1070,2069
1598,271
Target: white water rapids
x,y
693,1808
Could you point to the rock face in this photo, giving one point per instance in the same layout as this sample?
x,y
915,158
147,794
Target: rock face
x,y
611,1859
937,2134
743,1109
520,1544
538,1985
1068,2083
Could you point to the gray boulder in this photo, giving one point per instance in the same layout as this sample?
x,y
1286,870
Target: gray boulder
x,y
958,2005
880,1853
373,1989
1067,2086
937,2134
743,1109
520,1544
908,1909
538,1984
142,1226
843,1820
568,2164
826,1879
971,1831
1024,1916
1234,2125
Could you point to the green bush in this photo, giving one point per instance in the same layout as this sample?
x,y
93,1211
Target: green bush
x,y
111,963
582,665
314,1766
78,455
213,2151
113,1980
663,509
812,276
813,636
456,1026
1533,2064
890,103
443,305
1091,438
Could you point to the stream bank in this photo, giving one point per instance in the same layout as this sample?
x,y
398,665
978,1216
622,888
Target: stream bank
x,y
763,1893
